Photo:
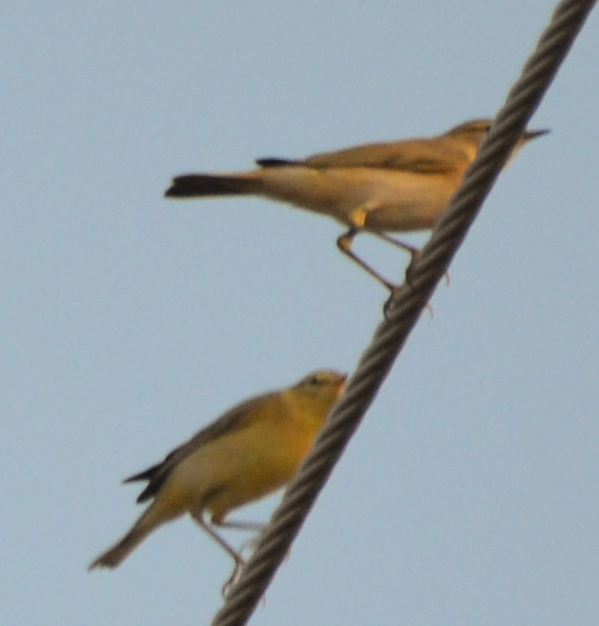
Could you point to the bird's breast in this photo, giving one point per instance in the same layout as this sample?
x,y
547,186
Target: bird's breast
x,y
239,467
395,200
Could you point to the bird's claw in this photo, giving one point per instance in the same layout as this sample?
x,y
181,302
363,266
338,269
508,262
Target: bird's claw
x,y
233,578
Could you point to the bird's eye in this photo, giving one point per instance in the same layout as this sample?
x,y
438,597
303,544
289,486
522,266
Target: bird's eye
x,y
314,381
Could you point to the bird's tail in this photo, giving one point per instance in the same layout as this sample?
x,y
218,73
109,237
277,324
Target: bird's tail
x,y
120,551
115,555
198,185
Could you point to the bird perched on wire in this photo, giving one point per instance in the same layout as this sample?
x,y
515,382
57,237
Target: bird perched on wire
x,y
252,450
397,186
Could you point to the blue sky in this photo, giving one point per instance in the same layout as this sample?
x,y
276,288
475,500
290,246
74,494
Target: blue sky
x,y
470,495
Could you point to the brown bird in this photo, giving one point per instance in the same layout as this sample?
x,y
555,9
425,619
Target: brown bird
x,y
397,186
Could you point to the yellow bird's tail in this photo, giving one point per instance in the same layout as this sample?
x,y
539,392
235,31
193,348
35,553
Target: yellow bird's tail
x,y
120,551
116,554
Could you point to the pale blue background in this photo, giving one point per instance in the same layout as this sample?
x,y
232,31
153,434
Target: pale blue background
x,y
469,496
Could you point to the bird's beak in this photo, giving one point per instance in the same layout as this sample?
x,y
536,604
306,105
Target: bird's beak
x,y
533,134
527,135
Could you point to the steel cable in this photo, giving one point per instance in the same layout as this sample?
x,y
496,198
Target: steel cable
x,y
404,310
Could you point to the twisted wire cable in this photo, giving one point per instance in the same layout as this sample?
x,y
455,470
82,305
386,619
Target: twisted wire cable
x,y
404,310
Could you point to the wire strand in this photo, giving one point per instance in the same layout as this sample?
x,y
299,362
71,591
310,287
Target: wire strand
x,y
404,311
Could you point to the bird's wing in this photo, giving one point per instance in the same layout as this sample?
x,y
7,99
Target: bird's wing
x,y
157,474
434,156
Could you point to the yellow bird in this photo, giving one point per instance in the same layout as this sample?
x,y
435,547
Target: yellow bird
x,y
397,186
252,450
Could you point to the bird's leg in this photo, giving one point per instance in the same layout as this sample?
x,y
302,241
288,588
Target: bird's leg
x,y
412,250
230,581
256,527
236,525
234,554
251,543
344,243
198,517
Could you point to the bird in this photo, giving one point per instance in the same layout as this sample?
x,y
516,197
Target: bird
x,y
249,452
397,186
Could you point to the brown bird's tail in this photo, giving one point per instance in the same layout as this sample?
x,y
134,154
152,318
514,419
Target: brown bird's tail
x,y
198,185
